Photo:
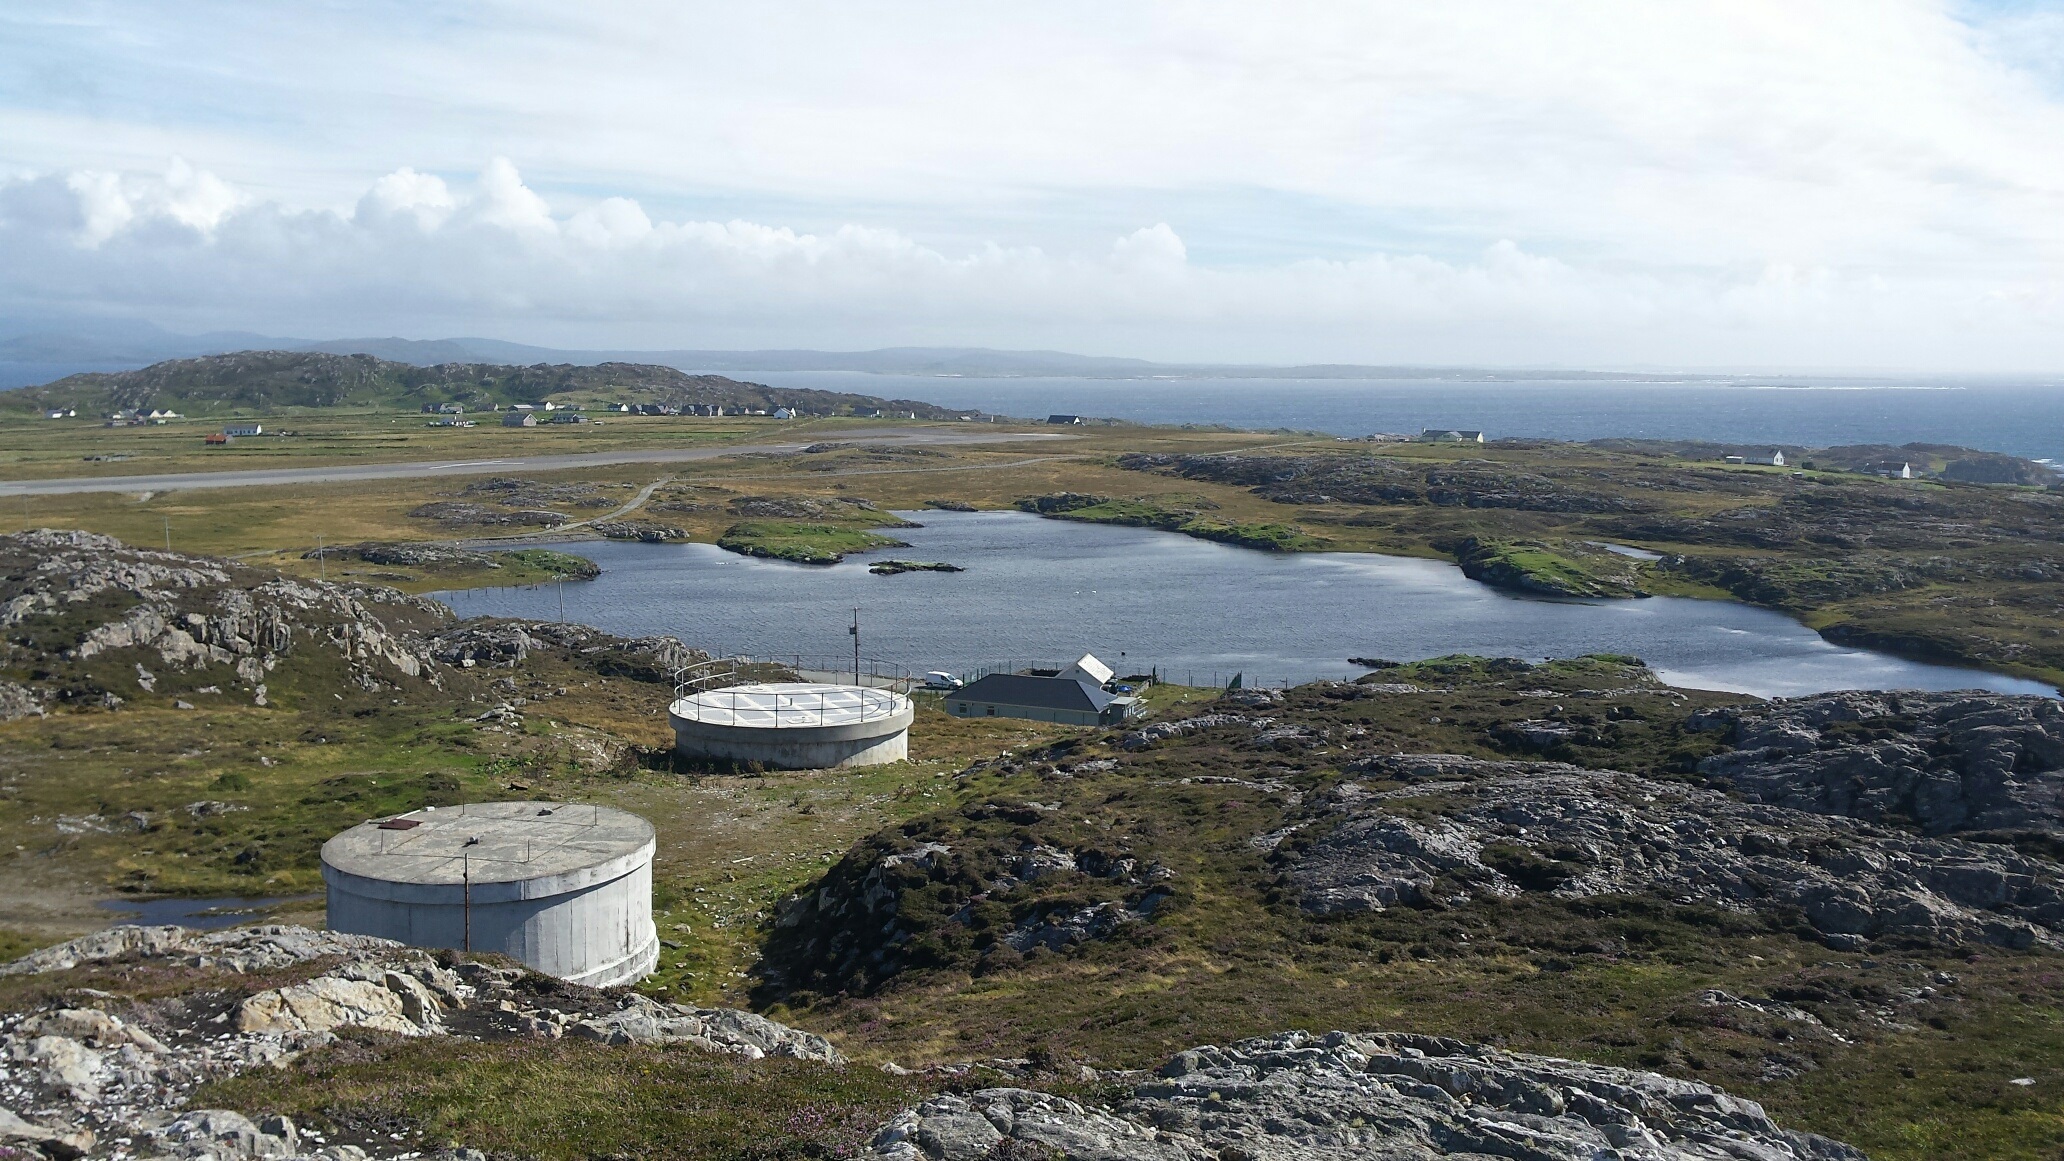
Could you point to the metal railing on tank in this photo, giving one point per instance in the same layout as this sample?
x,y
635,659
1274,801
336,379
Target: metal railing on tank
x,y
722,672
788,709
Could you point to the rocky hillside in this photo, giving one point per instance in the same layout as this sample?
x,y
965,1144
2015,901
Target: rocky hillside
x,y
1565,859
99,1072
87,622
1945,763
264,381
214,1047
1344,1097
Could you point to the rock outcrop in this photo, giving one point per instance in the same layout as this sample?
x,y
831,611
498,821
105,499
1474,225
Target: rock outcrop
x,y
1506,828
1296,1097
98,619
1947,762
505,644
121,1069
645,1021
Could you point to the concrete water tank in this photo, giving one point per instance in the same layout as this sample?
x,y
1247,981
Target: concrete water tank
x,y
793,725
566,889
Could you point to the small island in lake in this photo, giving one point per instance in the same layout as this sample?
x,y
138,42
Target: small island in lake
x,y
892,567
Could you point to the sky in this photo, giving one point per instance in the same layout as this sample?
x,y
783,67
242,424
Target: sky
x,y
1768,183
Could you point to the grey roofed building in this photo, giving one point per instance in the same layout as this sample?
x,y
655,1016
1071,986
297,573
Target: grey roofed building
x,y
1449,435
1041,699
519,419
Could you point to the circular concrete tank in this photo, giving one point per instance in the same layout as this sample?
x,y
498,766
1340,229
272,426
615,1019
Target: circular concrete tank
x,y
793,725
564,889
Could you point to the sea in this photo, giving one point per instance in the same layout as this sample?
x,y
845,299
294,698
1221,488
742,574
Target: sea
x,y
2018,417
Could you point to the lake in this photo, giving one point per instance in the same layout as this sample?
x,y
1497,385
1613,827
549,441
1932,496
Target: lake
x,y
1044,591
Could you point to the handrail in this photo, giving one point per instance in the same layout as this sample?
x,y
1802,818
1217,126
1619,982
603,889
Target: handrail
x,y
787,708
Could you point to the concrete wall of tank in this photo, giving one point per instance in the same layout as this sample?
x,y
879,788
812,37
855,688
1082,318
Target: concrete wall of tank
x,y
797,747
592,927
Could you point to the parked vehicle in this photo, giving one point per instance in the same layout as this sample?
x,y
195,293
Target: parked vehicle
x,y
941,682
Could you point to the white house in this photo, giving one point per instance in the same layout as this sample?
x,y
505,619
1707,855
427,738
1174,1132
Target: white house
x,y
61,413
1777,459
783,413
1088,669
236,429
1449,435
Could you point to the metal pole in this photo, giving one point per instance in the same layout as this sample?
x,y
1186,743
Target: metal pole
x,y
855,631
322,563
168,534
466,876
560,584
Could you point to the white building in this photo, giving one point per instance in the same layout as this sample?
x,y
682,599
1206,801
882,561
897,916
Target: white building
x,y
236,429
61,413
1088,669
1449,435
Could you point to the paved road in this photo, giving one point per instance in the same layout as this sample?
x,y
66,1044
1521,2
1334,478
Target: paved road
x,y
349,473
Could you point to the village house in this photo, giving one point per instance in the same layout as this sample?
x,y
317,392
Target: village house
x,y
1449,435
519,419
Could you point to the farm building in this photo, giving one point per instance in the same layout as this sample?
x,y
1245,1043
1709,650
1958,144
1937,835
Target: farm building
x,y
519,419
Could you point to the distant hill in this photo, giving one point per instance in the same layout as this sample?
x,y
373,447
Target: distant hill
x,y
270,381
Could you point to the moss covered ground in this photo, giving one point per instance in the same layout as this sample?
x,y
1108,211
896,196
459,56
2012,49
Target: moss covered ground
x,y
802,543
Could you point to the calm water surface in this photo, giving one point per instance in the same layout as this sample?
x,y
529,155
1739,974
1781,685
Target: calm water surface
x,y
2020,418
1047,590
200,914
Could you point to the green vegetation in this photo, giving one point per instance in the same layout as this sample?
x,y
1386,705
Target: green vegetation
x,y
572,1100
268,382
1934,569
1228,953
550,563
1169,514
1560,570
802,543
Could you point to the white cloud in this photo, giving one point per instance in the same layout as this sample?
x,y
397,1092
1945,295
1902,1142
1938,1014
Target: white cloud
x,y
418,257
1716,181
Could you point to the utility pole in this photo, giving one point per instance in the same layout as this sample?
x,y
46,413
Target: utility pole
x,y
560,584
322,563
855,631
168,535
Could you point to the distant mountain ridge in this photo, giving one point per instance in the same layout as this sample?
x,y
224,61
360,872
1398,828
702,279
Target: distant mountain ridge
x,y
50,351
270,381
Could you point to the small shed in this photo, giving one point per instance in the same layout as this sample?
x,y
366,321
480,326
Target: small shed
x,y
519,419
216,440
1040,699
1088,668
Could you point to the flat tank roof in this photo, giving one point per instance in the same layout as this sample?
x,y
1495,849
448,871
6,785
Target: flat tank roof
x,y
790,705
492,842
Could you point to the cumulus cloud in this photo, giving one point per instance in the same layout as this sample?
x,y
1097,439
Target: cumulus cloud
x,y
417,255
